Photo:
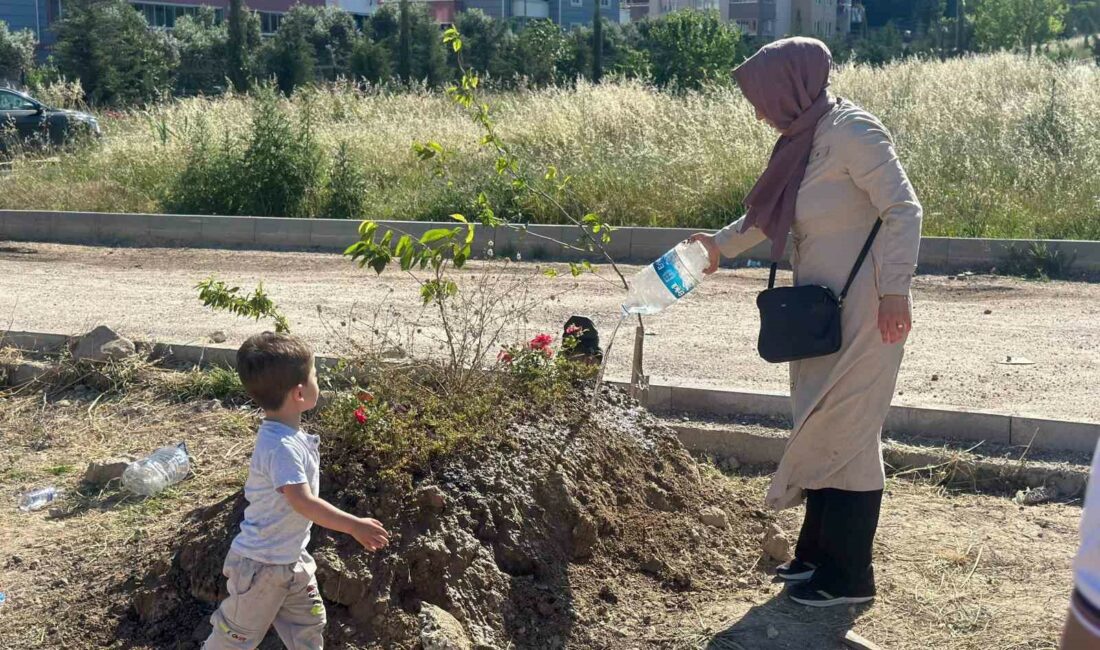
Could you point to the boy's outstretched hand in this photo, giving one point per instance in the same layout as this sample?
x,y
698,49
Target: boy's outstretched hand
x,y
371,534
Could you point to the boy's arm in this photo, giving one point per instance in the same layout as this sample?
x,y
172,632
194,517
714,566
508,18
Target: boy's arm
x,y
367,532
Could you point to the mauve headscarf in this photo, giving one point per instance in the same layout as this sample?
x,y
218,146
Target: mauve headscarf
x,y
786,81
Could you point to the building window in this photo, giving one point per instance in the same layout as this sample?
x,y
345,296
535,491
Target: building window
x,y
165,16
576,3
55,11
605,4
269,22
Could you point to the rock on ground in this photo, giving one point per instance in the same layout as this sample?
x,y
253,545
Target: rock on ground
x,y
715,517
776,544
441,631
102,344
101,472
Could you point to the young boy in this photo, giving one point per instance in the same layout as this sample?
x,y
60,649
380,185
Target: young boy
x,y
270,575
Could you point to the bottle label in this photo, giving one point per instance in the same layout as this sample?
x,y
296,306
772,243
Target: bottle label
x,y
670,275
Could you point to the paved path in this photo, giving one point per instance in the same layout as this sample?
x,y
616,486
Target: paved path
x,y
963,327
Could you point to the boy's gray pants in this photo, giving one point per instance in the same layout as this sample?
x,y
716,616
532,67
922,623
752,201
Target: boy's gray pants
x,y
262,595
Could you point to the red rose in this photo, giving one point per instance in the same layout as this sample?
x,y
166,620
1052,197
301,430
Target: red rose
x,y
361,415
504,356
541,342
573,330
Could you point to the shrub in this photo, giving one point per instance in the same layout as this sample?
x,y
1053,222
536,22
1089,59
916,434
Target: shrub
x,y
690,48
108,46
281,163
16,53
346,193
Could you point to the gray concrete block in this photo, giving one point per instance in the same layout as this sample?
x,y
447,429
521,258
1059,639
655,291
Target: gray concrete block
x,y
28,226
34,341
75,228
281,233
647,244
710,401
228,231
123,228
1041,433
1085,254
174,230
979,254
944,423
933,254
747,448
333,234
618,247
196,354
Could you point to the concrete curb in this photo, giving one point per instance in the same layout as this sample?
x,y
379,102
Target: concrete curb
x,y
969,426
631,245
756,449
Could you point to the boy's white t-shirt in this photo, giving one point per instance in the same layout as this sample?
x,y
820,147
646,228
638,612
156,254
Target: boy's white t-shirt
x,y
272,532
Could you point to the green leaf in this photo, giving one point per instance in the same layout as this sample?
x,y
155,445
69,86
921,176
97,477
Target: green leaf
x,y
403,244
502,165
408,258
379,263
469,236
550,273
551,173
459,218
366,230
435,235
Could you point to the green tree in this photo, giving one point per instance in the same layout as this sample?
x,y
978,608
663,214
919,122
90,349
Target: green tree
x,y
1083,17
541,49
370,61
404,43
429,57
289,58
485,42
108,46
597,43
330,33
16,52
243,39
203,51
1012,24
689,48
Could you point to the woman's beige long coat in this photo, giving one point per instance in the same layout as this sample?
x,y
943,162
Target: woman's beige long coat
x,y
840,401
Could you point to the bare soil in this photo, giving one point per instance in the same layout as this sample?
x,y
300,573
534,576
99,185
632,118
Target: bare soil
x,y
963,329
504,553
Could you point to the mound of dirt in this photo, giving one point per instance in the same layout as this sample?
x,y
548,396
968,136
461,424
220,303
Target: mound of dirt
x,y
540,539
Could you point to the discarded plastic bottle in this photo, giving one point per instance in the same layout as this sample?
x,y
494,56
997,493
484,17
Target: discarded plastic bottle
x,y
667,280
165,466
38,499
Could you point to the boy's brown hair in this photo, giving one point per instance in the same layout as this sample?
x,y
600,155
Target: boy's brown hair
x,y
270,364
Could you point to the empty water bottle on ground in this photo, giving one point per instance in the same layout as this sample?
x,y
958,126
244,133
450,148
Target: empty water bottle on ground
x,y
667,280
165,466
38,499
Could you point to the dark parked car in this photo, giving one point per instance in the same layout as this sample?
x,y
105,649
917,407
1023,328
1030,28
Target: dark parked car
x,y
29,121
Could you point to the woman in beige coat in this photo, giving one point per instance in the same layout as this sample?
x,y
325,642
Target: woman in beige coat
x,y
832,174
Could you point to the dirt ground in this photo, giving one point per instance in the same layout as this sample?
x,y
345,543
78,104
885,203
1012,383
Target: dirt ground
x,y
956,570
963,328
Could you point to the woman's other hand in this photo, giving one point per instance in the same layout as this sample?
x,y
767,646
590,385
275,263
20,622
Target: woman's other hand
x,y
712,250
894,318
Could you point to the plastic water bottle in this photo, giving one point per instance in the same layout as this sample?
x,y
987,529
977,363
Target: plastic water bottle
x,y
38,499
165,466
667,280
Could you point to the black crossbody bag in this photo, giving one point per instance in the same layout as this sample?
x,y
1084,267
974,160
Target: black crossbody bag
x,y
803,322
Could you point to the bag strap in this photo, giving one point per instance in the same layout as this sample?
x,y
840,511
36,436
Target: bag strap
x,y
859,260
771,276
